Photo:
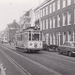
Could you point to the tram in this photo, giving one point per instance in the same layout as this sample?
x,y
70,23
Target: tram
x,y
29,40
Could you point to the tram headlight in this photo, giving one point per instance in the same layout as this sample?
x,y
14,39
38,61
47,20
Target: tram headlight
x,y
35,45
40,44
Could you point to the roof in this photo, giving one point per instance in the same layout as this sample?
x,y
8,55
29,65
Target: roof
x,y
46,1
14,24
71,41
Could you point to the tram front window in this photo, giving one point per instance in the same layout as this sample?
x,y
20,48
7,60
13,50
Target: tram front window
x,y
29,36
35,37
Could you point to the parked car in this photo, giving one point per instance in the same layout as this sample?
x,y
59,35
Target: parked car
x,y
50,47
68,48
44,46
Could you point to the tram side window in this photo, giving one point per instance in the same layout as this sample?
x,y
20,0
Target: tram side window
x,y
19,37
22,37
35,37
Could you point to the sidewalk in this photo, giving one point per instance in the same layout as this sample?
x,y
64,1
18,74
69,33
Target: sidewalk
x,y
12,46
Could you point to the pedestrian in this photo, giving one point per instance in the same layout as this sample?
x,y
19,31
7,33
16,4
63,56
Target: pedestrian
x,y
10,42
1,41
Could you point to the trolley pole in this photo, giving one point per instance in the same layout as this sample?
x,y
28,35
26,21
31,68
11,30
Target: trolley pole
x,y
39,14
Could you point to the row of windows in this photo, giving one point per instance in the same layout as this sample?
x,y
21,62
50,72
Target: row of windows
x,y
51,22
52,7
53,38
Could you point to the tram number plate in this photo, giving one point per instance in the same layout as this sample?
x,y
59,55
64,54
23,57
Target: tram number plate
x,y
35,45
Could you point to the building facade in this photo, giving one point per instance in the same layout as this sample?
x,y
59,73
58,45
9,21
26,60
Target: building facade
x,y
27,19
56,18
3,36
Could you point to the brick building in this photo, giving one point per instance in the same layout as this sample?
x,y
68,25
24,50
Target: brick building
x,y
56,18
11,30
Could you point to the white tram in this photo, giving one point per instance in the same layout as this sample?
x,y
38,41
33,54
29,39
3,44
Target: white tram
x,y
29,40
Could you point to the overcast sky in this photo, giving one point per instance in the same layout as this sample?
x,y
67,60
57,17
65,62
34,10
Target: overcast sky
x,y
13,9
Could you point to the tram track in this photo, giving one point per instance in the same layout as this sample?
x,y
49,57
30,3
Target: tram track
x,y
36,63
71,67
61,64
49,56
55,62
61,58
50,59
19,67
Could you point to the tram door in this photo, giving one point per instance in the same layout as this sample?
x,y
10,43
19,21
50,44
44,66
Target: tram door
x,y
25,39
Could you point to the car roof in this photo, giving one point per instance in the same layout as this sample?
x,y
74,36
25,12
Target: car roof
x,y
70,41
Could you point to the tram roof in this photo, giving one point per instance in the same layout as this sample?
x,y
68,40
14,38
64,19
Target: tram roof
x,y
34,28
31,29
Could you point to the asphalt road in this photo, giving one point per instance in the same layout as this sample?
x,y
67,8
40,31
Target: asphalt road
x,y
42,63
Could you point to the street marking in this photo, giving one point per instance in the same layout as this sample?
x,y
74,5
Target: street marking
x,y
36,63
